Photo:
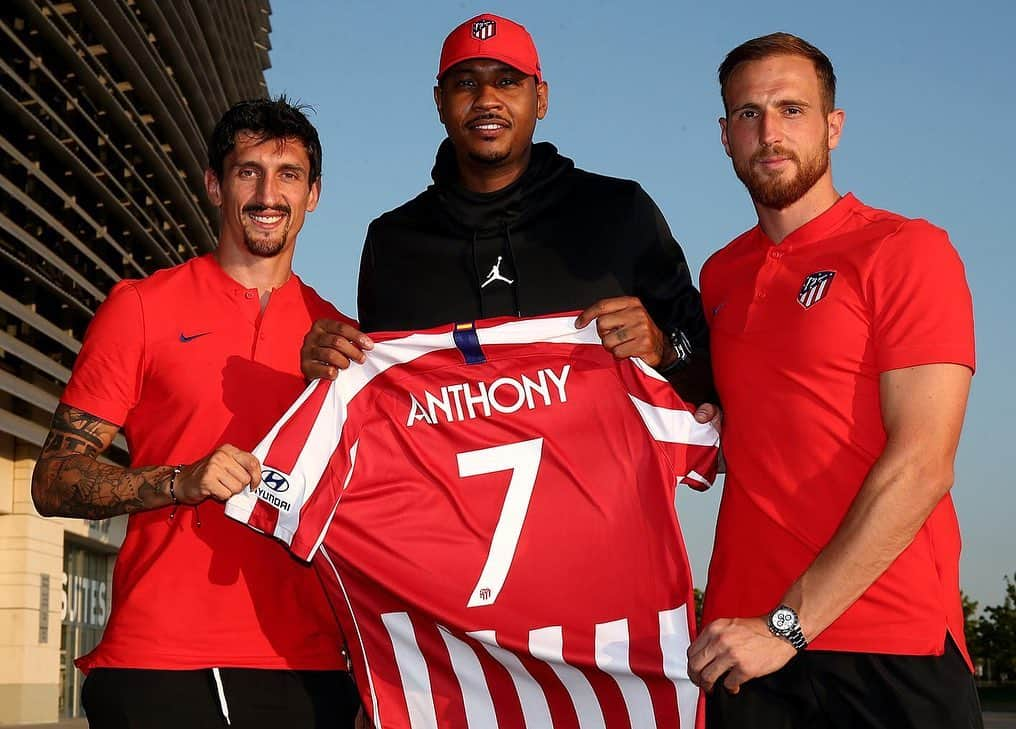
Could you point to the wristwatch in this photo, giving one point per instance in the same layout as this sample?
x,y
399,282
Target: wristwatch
x,y
682,348
784,623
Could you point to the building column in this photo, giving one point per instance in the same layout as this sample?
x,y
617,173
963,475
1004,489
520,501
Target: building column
x,y
31,569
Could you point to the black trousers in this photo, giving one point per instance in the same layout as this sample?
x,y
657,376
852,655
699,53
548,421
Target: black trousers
x,y
834,690
131,698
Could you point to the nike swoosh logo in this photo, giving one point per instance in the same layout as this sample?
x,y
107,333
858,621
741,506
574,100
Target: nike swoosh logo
x,y
184,338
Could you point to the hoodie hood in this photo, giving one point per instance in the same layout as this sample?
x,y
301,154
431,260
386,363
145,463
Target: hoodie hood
x,y
485,212
556,240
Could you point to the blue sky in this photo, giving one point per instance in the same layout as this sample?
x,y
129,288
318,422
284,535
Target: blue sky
x,y
928,92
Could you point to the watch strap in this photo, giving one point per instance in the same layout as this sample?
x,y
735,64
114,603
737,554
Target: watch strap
x,y
792,635
682,349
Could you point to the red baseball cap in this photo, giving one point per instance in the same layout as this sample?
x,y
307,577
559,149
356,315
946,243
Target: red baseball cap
x,y
491,36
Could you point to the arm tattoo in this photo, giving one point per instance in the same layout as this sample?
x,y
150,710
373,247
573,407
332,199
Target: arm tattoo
x,y
69,480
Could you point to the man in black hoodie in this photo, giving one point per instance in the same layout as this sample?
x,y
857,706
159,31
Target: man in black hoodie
x,y
512,228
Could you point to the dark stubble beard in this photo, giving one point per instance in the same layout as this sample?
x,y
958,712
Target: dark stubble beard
x,y
266,247
780,191
491,159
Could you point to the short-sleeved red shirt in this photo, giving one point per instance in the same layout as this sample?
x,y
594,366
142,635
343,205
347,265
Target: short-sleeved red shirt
x,y
184,361
800,333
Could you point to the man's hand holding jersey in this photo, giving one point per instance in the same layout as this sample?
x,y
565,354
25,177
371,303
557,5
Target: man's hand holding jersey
x,y
627,330
225,471
331,346
622,322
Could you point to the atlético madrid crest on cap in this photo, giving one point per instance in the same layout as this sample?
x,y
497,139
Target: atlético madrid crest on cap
x,y
816,286
484,29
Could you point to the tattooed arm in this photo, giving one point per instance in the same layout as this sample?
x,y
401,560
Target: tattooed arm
x,y
69,480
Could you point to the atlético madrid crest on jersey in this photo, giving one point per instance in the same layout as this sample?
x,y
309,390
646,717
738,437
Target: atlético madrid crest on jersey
x,y
484,29
816,286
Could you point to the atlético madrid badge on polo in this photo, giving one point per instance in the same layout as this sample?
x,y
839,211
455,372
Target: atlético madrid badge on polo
x,y
816,286
484,29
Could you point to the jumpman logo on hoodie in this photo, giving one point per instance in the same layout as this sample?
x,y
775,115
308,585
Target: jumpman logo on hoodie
x,y
495,275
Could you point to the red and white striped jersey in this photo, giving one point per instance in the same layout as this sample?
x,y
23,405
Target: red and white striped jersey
x,y
491,507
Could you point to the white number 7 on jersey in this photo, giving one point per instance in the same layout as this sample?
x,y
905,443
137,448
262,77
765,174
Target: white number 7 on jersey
x,y
523,460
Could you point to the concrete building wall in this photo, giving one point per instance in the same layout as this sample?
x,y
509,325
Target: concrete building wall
x,y
107,105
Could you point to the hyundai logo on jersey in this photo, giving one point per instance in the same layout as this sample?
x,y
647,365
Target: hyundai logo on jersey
x,y
274,480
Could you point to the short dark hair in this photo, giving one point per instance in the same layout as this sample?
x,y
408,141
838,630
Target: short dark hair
x,y
781,44
266,119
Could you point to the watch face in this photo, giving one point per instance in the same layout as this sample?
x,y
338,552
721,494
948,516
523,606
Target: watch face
x,y
783,619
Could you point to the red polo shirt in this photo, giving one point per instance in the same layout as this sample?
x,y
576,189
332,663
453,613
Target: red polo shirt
x,y
800,333
185,361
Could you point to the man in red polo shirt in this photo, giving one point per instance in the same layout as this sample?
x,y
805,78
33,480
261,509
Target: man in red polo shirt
x,y
842,343
210,621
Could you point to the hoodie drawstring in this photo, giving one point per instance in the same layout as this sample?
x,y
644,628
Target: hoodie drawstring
x,y
514,286
476,273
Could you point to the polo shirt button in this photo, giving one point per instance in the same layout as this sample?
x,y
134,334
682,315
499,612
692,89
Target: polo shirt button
x,y
760,295
248,295
775,255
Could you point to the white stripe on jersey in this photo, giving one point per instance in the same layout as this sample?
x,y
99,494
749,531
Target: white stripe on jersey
x,y
556,330
547,644
240,506
612,658
647,370
328,523
698,478
359,638
315,456
674,640
412,671
675,426
535,710
297,404
475,694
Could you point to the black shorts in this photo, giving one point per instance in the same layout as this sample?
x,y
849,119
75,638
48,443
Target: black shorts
x,y
133,698
834,690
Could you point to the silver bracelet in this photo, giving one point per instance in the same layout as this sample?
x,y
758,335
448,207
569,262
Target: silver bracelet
x,y
172,485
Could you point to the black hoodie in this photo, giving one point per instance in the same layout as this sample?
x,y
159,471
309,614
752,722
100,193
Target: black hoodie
x,y
565,238
557,239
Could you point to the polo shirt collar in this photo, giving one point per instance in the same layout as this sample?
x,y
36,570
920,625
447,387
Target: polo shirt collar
x,y
210,267
818,228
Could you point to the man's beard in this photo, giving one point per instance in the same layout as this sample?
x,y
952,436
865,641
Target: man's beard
x,y
781,191
490,157
261,246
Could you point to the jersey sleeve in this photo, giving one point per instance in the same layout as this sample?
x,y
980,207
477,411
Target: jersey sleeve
x,y
106,380
306,460
922,309
691,448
